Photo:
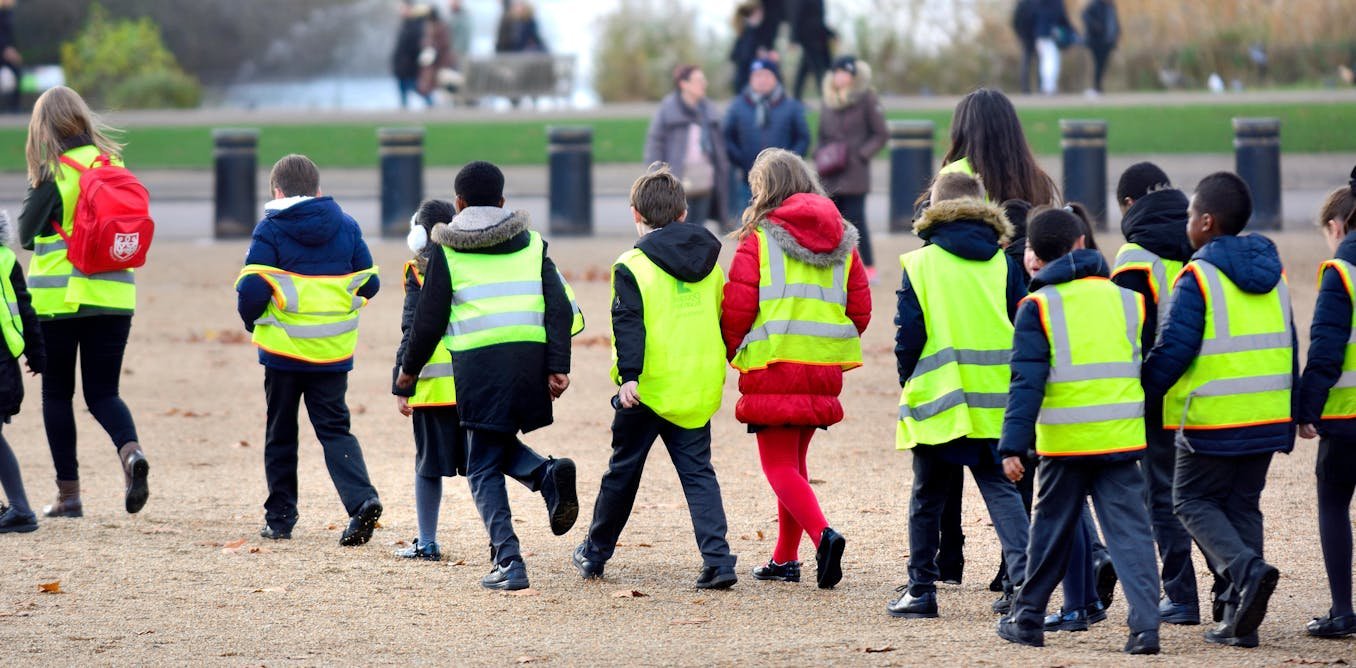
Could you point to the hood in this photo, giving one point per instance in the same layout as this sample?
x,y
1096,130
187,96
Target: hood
x,y
1157,221
1081,263
809,228
1347,249
1251,261
480,227
968,228
686,251
311,221
836,99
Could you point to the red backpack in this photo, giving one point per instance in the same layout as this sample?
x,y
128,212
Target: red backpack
x,y
111,228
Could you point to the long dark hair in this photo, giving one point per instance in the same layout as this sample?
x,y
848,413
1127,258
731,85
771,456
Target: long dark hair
x,y
985,130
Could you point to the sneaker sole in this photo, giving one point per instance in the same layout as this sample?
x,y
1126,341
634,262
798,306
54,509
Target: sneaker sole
x,y
367,523
507,586
912,615
723,583
1231,641
1251,617
774,578
568,511
833,564
1067,628
66,513
140,490
1182,620
33,527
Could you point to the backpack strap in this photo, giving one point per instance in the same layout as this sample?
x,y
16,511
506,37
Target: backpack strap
x,y
70,162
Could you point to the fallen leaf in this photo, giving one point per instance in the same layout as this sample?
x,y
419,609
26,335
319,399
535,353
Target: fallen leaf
x,y
271,590
879,650
523,592
459,562
698,601
360,409
242,443
643,545
400,543
259,550
526,659
234,543
629,593
695,621
376,525
760,535
146,632
53,587
171,411
332,527
816,481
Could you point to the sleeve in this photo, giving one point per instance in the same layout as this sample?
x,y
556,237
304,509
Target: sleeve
x,y
35,347
730,129
431,315
1179,336
879,131
654,137
559,318
1016,287
739,306
911,333
1138,281
628,324
412,290
253,292
858,295
1030,371
800,131
42,204
1328,337
362,259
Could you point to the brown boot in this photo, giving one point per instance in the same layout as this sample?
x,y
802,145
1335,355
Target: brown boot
x,y
68,501
134,471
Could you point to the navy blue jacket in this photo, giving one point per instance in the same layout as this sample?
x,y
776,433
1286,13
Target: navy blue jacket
x,y
314,237
785,128
1031,358
1253,264
1328,336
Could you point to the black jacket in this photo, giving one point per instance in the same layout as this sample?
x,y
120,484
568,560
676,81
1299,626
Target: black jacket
x,y
1157,222
11,376
1031,358
687,252
409,42
1101,25
1328,336
501,387
413,287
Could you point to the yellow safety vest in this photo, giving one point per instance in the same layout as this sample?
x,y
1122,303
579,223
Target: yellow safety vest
x,y
496,298
310,318
1242,375
577,323
57,287
11,324
435,386
1133,257
684,373
1341,402
802,314
1094,403
959,387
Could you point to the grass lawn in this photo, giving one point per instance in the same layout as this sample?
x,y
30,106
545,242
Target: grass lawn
x,y
1312,128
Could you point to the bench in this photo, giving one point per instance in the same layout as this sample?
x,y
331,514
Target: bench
x,y
517,76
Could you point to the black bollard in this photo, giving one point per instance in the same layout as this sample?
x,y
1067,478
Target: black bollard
x,y
1257,158
570,150
910,169
235,154
1084,145
402,177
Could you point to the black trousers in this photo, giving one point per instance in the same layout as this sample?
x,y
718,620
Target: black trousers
x,y
634,431
853,208
323,393
491,455
1174,543
99,341
814,62
1218,500
1099,60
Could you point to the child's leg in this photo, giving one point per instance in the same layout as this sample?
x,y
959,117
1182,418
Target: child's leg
x,y
526,466
1077,584
282,393
1009,518
1243,507
58,391
1334,534
633,432
1202,488
103,340
932,485
779,452
486,452
690,450
1054,527
1118,492
325,404
1172,539
13,482
428,499
951,549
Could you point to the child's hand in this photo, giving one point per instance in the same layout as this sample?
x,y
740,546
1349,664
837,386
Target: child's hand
x,y
1013,469
627,394
403,405
1308,431
405,381
558,383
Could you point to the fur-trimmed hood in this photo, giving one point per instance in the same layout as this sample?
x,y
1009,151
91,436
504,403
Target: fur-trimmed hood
x,y
861,83
964,211
477,227
8,237
809,228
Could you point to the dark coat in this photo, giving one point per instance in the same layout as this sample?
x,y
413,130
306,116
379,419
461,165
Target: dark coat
x,y
502,387
1101,26
1031,358
11,376
1328,336
1047,15
1254,265
1024,23
409,41
807,25
666,140
785,128
311,236
742,54
858,120
413,287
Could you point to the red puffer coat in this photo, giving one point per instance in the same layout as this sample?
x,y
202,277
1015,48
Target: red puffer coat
x,y
808,227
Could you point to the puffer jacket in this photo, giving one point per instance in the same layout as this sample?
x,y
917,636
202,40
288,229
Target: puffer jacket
x,y
784,127
809,228
1328,337
855,118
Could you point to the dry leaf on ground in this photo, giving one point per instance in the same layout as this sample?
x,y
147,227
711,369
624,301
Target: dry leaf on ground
x,y
53,587
879,650
629,593
233,544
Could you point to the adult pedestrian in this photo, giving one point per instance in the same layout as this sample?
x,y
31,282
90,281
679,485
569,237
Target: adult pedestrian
x,y
809,31
851,132
763,116
409,42
1024,25
9,55
518,31
89,316
1101,30
1053,32
685,133
460,26
436,55
748,43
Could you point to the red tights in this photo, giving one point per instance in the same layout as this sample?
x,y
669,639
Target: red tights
x,y
782,451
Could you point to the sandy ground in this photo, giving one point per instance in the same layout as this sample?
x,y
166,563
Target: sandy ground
x,y
164,587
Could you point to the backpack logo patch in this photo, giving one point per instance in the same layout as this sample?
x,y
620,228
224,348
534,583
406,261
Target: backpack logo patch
x,y
125,246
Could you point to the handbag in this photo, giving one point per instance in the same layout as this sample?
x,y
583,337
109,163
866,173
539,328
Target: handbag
x,y
831,158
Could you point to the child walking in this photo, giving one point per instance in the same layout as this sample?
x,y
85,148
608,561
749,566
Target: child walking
x,y
22,336
795,306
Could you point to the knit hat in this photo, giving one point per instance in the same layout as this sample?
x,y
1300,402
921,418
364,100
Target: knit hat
x,y
846,63
765,64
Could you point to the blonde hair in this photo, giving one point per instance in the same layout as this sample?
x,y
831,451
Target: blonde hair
x,y
658,196
60,114
957,185
776,175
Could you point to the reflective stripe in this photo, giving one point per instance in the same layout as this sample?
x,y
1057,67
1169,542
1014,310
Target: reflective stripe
x,y
316,331
121,276
439,370
1346,380
1223,341
13,308
45,247
491,290
1156,266
799,328
288,288
1245,343
496,320
1224,387
778,287
1086,414
49,281
1064,370
946,356
951,400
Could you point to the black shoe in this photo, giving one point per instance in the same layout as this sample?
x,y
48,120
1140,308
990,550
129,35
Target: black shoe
x,y
1096,613
999,581
13,521
787,572
1067,620
1104,574
138,490
829,558
1252,600
1144,642
1184,614
417,550
1223,634
557,488
275,534
507,577
1009,630
1332,627
908,606
717,577
1003,604
361,525
588,569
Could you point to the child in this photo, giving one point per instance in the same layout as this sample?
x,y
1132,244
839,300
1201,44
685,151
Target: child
x,y
22,335
495,300
1076,400
670,365
1154,217
794,310
956,302
1327,407
439,440
306,275
1225,362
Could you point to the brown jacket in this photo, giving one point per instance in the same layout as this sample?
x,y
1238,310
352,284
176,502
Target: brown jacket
x,y
855,118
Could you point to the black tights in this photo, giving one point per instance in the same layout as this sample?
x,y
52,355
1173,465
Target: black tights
x,y
1334,535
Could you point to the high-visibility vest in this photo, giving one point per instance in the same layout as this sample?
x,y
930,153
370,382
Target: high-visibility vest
x,y
11,324
435,386
1160,271
310,318
577,322
496,298
684,366
1094,403
802,314
961,166
959,387
1242,375
1341,402
56,286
